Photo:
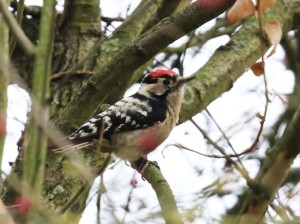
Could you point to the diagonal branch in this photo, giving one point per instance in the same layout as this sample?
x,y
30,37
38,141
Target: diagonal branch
x,y
164,194
166,8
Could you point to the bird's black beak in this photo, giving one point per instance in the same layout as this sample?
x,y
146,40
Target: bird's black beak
x,y
187,79
184,80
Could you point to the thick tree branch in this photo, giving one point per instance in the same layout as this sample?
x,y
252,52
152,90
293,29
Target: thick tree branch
x,y
81,15
166,8
164,194
78,31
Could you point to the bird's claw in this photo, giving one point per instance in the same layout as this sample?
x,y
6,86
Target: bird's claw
x,y
142,163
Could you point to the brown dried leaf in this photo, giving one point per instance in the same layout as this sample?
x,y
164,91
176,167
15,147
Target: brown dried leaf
x,y
240,10
258,68
273,31
260,117
265,4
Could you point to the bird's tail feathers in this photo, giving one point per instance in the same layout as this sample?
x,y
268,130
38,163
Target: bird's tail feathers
x,y
67,145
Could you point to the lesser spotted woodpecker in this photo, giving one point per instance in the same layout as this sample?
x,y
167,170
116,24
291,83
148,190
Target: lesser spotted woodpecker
x,y
136,125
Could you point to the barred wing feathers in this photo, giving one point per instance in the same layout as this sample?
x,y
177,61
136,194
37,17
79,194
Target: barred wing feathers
x,y
128,114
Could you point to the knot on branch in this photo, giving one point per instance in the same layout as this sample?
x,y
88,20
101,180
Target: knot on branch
x,y
141,51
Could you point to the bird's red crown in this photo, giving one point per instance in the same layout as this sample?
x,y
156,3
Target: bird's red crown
x,y
159,72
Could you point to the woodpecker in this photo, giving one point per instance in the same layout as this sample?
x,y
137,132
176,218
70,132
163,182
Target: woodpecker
x,y
138,124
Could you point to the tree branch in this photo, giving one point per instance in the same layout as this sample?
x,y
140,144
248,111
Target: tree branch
x,y
293,176
164,194
35,153
20,10
166,8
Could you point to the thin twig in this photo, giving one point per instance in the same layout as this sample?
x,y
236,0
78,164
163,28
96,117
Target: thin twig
x,y
109,20
225,137
129,198
241,170
215,145
262,52
13,40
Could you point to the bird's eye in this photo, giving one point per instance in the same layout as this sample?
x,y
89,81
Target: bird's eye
x,y
166,82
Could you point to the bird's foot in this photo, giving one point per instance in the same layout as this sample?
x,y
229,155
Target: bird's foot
x,y
142,163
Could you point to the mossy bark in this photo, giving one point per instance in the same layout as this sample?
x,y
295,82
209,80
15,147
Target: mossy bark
x,y
78,30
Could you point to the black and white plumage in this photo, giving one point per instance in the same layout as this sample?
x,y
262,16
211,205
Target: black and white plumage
x,y
136,125
127,114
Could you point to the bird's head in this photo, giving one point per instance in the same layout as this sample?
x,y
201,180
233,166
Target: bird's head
x,y
162,82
